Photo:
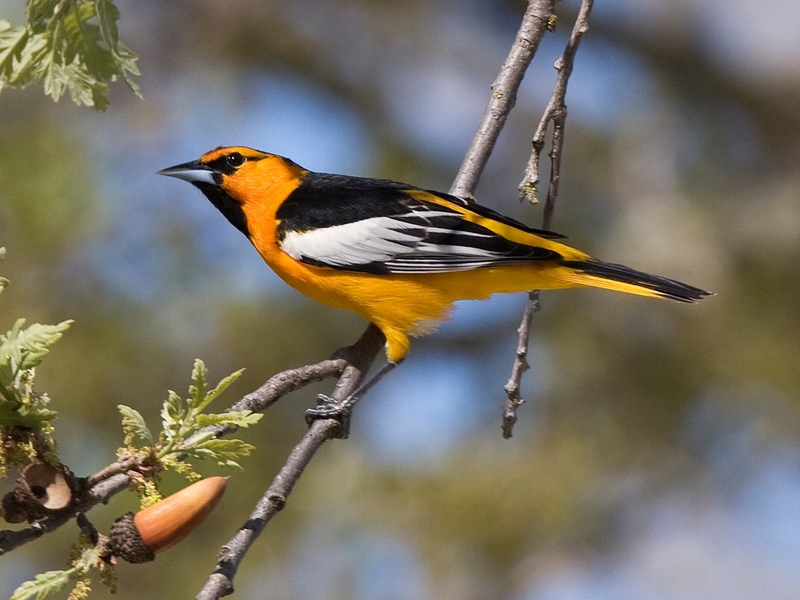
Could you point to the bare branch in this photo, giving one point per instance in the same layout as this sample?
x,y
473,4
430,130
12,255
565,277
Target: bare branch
x,y
274,499
284,383
359,357
556,108
556,112
535,23
520,366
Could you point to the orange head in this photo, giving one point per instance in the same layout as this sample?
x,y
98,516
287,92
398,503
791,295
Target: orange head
x,y
246,185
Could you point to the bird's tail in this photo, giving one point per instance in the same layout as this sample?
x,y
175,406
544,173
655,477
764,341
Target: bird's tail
x,y
620,278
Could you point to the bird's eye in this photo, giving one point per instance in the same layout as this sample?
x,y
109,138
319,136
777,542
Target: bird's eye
x,y
235,160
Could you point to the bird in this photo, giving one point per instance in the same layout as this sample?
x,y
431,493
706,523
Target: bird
x,y
396,254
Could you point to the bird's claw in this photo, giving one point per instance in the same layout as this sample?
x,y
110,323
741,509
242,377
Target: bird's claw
x,y
327,407
330,408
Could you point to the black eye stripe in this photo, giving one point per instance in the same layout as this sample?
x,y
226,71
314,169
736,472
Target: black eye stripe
x,y
228,164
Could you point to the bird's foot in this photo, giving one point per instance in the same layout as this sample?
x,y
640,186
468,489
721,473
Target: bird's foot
x,y
330,408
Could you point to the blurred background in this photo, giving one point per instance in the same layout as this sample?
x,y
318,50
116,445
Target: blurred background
x,y
658,453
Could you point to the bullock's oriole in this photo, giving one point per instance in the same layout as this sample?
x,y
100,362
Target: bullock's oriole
x,y
396,254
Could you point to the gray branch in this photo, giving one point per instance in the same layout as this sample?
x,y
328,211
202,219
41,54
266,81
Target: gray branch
x,y
556,112
358,357
535,23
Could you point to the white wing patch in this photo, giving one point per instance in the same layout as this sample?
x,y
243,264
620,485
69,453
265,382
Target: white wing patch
x,y
421,241
363,242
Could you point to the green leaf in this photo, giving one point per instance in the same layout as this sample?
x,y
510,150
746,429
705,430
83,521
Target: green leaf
x,y
12,44
199,386
17,414
172,413
133,418
107,17
223,452
185,432
55,76
243,418
69,46
52,582
126,61
84,88
221,387
43,586
39,10
25,348
82,39
88,560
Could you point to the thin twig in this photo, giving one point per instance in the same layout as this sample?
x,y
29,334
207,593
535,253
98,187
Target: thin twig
x,y
220,583
359,357
120,466
555,105
556,112
282,384
520,366
535,23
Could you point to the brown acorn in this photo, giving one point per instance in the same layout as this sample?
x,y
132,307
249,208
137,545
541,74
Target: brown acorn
x,y
137,538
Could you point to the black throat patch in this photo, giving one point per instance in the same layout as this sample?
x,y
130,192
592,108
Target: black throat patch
x,y
229,207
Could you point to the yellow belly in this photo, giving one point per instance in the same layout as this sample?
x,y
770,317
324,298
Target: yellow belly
x,y
410,305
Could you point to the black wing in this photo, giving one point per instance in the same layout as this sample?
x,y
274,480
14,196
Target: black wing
x,y
381,226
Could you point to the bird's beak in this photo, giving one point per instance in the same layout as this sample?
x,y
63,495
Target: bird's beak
x,y
193,172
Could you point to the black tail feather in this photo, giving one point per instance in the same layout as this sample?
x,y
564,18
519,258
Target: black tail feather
x,y
667,288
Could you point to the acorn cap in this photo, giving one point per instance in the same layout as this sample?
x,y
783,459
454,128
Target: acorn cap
x,y
126,542
40,491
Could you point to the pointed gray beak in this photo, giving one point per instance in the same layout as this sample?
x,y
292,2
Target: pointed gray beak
x,y
193,172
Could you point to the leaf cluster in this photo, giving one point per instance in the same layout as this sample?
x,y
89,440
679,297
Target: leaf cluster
x,y
184,435
25,419
69,45
185,427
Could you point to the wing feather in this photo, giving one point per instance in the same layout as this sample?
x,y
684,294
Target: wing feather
x,y
418,237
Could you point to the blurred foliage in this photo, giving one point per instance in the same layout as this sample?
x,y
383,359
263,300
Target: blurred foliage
x,y
69,45
695,179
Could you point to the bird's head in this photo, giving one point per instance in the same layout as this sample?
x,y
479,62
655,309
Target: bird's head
x,y
243,183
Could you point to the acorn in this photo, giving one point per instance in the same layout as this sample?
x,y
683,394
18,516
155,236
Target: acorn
x,y
138,538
